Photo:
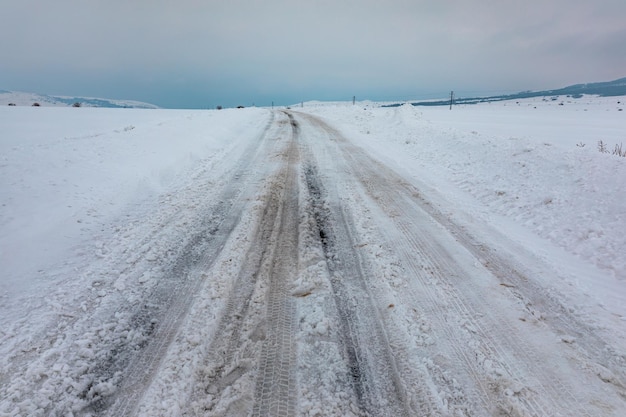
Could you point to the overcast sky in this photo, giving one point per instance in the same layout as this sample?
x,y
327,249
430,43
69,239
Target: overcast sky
x,y
203,53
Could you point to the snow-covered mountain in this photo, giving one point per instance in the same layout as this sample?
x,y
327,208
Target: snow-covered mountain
x,y
20,98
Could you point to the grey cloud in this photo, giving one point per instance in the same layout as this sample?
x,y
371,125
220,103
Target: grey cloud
x,y
314,47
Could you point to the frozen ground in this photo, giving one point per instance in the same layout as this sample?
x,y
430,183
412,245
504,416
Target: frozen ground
x,y
327,260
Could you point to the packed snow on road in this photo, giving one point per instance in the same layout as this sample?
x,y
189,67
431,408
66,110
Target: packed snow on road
x,y
330,259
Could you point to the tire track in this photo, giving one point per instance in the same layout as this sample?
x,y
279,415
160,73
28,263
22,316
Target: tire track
x,y
275,385
380,388
501,362
163,310
253,346
441,270
496,341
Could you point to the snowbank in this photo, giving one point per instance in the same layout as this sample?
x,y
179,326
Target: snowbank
x,y
65,172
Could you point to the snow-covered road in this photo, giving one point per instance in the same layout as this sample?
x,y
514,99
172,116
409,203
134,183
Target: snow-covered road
x,y
293,273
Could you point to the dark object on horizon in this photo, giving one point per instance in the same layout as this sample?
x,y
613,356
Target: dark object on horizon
x,y
77,104
240,107
219,107
36,105
12,104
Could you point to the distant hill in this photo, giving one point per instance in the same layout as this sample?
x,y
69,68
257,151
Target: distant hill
x,y
603,89
28,99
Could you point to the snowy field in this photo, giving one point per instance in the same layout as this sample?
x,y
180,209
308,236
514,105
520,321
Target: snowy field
x,y
331,259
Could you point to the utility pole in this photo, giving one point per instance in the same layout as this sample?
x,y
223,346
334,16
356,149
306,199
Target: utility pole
x,y
451,98
353,100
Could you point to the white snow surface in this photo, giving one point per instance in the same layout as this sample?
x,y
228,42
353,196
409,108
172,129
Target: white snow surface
x,y
65,176
530,168
80,188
